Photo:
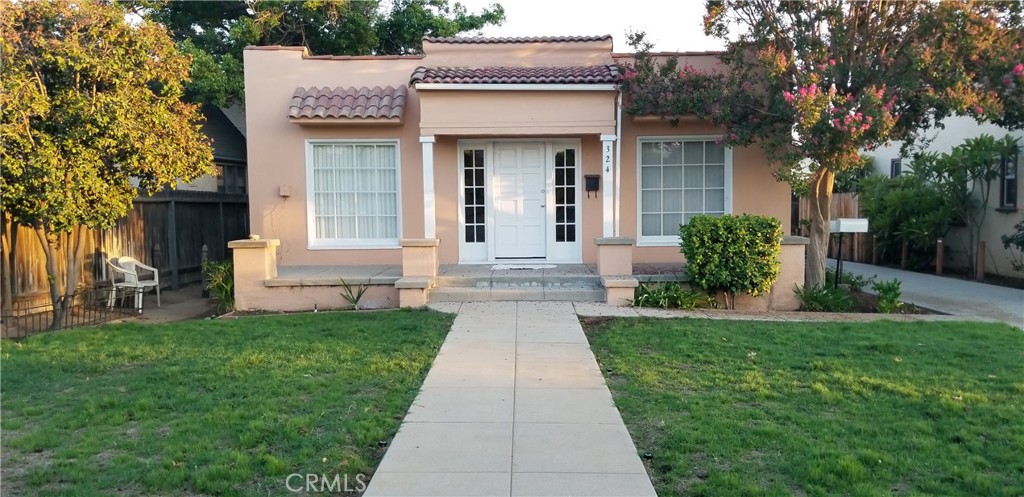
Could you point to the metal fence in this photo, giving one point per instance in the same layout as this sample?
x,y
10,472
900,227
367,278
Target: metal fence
x,y
85,307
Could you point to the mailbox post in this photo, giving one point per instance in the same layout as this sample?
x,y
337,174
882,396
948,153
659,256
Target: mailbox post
x,y
845,225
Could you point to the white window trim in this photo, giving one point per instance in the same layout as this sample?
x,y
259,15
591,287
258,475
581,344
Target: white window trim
x,y
312,243
1006,171
673,241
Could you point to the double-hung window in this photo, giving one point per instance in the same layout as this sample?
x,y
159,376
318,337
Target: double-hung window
x,y
1008,181
895,167
681,177
353,193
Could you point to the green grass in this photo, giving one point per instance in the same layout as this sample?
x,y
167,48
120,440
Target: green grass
x,y
820,409
221,407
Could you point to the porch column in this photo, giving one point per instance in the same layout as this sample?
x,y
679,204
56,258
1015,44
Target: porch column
x,y
607,199
255,262
429,215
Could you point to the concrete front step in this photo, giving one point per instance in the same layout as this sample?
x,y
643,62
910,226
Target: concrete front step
x,y
580,293
515,281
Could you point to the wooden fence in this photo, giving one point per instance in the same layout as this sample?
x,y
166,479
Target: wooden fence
x,y
857,247
167,231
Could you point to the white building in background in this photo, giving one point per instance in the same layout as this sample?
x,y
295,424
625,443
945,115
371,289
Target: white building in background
x,y
1006,203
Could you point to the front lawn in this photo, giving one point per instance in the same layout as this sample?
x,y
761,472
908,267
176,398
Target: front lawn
x,y
221,407
820,409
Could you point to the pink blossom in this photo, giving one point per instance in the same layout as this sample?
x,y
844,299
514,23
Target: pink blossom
x,y
865,127
1018,69
832,62
788,96
978,110
803,92
835,122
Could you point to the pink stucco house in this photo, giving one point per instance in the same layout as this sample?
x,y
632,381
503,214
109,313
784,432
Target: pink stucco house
x,y
479,151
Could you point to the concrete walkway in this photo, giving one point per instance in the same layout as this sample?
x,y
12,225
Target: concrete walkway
x,y
950,295
514,405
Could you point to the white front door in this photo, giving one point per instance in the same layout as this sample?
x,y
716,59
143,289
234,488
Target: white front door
x,y
519,189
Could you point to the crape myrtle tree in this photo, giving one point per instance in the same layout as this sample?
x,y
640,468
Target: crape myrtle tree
x,y
814,83
216,32
92,113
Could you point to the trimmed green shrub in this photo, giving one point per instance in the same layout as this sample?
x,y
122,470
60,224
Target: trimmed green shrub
x,y
732,254
671,295
824,298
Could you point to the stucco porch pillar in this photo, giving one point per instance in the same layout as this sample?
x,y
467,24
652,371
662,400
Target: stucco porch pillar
x,y
419,268
615,266
608,186
255,261
429,209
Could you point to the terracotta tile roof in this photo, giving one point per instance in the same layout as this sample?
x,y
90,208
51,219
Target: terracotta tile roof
x,y
517,75
349,102
516,39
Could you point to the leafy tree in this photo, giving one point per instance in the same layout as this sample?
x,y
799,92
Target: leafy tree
x,y
965,177
91,108
215,33
907,210
813,83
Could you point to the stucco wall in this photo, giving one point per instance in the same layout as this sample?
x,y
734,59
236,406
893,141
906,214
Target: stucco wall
x,y
519,54
517,113
755,190
276,146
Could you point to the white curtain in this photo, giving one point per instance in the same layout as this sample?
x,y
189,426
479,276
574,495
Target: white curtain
x,y
355,187
678,180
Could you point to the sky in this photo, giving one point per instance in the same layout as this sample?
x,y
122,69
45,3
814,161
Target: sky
x,y
670,25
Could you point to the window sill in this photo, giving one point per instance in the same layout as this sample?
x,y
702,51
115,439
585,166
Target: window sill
x,y
351,246
657,243
1007,209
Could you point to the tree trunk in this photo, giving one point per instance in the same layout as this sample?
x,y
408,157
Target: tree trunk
x,y
7,266
51,275
74,253
820,200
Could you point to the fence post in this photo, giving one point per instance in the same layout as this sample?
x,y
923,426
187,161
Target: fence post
x,y
172,243
905,255
205,257
223,229
158,256
940,255
979,265
874,251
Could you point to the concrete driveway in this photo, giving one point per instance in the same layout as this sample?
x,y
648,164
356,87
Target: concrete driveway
x,y
950,295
